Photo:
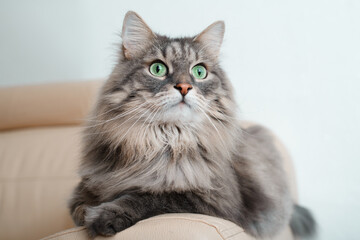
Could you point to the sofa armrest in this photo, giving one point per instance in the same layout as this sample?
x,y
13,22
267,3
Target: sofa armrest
x,y
177,226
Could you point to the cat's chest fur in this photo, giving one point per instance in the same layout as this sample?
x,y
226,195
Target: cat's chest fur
x,y
171,158
178,159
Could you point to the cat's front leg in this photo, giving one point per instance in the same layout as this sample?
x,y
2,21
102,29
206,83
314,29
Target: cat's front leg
x,y
80,200
111,217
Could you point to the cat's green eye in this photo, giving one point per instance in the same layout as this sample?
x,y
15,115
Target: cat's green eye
x,y
199,72
158,69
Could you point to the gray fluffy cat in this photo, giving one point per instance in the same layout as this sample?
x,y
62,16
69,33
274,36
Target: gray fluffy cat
x,y
163,138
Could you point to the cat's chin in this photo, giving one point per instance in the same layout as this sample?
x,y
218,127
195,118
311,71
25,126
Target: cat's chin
x,y
180,113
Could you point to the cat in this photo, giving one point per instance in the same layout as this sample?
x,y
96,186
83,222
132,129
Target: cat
x,y
164,138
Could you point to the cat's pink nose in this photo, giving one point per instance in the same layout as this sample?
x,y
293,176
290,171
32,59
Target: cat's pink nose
x,y
183,88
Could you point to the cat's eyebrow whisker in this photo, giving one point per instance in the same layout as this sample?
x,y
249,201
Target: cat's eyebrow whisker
x,y
117,116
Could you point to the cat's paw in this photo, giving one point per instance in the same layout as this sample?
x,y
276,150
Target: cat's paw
x,y
78,215
106,219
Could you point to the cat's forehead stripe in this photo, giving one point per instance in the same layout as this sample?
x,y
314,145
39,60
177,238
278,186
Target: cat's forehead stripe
x,y
192,54
177,51
168,51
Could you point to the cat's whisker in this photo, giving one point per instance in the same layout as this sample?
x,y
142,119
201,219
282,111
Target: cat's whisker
x,y
115,128
133,125
228,118
217,119
141,127
231,122
148,125
156,109
221,139
117,116
237,126
123,114
93,118
226,115
161,94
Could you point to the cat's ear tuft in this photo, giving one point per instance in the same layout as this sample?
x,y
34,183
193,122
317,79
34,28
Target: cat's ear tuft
x,y
136,35
211,38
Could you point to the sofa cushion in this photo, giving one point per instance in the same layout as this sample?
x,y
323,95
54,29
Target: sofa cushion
x,y
37,174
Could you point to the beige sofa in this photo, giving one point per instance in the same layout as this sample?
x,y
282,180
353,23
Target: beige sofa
x,y
39,155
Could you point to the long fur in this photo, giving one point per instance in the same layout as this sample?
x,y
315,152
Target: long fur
x,y
147,149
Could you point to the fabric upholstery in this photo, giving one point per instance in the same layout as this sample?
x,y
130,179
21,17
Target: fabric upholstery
x,y
38,171
39,157
174,227
46,104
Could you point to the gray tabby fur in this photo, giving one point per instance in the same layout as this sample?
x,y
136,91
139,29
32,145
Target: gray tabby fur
x,y
145,152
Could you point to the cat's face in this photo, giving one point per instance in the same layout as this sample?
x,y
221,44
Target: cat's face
x,y
167,80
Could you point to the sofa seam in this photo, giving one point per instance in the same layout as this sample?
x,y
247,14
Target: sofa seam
x,y
233,235
228,229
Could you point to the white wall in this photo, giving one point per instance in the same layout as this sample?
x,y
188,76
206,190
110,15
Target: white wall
x,y
295,66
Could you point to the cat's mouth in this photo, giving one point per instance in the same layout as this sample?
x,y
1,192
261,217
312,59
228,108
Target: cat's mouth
x,y
183,103
180,111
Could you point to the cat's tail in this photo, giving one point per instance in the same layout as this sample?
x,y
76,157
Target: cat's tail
x,y
302,223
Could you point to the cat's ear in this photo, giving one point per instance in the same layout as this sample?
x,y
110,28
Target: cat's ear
x,y
212,37
136,35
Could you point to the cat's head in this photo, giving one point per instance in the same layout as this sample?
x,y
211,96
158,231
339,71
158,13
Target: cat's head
x,y
167,80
